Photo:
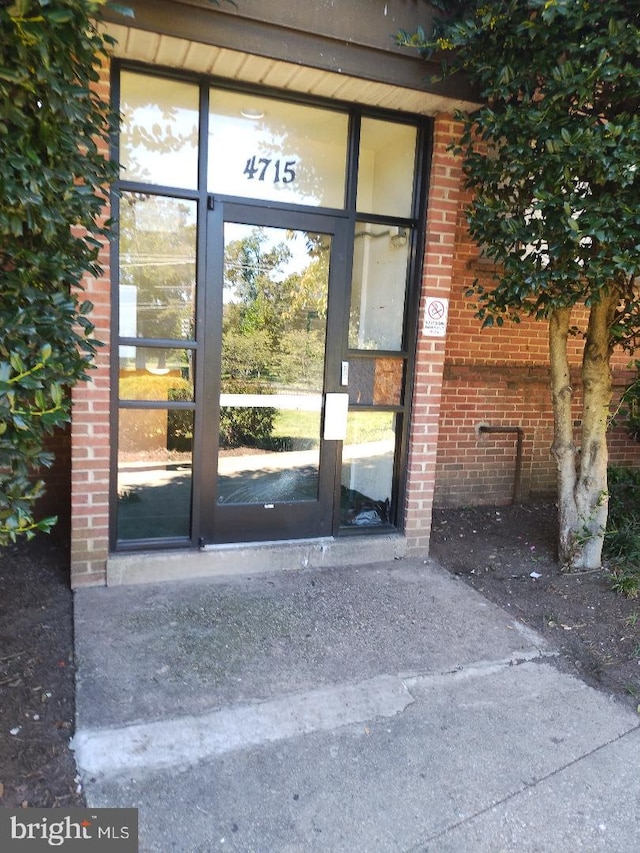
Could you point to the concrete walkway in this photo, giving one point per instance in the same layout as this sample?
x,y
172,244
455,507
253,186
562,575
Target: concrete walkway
x,y
364,710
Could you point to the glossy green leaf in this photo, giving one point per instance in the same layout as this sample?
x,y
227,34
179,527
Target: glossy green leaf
x,y
52,174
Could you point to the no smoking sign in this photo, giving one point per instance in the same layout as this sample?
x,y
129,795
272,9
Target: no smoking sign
x,y
435,317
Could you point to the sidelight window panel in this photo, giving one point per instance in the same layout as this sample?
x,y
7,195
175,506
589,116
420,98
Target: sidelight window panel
x,y
378,287
385,168
157,267
376,381
367,469
155,373
154,473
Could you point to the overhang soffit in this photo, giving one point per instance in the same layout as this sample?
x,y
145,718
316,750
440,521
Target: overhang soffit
x,y
271,46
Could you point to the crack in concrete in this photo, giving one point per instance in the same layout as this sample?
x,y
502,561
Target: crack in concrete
x,y
526,786
479,669
186,740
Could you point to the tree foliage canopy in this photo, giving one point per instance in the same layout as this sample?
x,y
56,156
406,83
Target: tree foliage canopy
x,y
53,183
556,199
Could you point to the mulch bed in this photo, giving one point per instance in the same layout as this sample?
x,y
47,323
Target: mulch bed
x,y
37,677
509,555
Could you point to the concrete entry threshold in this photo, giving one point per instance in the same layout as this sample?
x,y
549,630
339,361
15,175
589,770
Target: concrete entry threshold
x,y
253,558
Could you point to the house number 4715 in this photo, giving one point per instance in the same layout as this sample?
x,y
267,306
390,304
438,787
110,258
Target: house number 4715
x,y
264,168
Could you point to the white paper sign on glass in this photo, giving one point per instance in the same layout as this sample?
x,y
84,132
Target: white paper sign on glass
x,y
336,409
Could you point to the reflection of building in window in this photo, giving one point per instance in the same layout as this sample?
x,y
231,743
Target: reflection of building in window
x,y
380,259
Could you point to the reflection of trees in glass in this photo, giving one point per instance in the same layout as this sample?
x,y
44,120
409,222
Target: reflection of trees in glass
x,y
253,281
157,258
137,139
274,321
155,125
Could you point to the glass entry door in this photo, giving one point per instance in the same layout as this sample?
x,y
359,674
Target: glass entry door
x,y
273,292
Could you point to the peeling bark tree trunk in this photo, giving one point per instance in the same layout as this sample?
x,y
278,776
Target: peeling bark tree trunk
x,y
563,448
582,472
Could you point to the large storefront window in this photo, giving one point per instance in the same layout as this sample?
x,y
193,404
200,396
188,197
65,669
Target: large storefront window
x,y
265,315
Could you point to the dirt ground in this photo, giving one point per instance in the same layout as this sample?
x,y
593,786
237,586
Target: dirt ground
x,y
507,553
37,677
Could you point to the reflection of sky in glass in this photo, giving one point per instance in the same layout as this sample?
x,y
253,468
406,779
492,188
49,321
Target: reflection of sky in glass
x,y
295,241
176,168
272,237
159,136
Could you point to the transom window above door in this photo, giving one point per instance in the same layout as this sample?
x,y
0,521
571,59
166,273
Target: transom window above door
x,y
159,131
262,148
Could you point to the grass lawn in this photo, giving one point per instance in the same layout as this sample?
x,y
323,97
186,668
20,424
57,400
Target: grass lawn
x,y
362,427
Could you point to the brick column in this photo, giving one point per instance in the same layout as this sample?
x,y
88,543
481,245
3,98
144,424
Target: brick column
x,y
90,435
445,194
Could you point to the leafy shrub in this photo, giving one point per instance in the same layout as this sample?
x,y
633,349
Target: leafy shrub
x,y
180,421
54,130
622,539
250,426
630,405
624,495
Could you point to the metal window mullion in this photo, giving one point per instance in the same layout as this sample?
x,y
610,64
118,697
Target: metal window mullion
x,y
157,343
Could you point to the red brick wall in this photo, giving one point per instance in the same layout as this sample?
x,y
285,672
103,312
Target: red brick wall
x,y
478,467
57,497
444,202
90,438
499,377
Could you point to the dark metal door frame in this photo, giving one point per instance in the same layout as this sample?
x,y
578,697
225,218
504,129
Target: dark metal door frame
x,y
224,523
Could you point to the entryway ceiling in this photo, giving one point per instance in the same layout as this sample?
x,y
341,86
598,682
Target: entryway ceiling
x,y
170,52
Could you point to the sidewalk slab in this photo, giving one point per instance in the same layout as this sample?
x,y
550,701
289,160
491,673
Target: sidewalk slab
x,y
473,763
591,806
364,709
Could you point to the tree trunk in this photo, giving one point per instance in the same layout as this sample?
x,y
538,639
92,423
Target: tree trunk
x,y
582,473
592,497
563,448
